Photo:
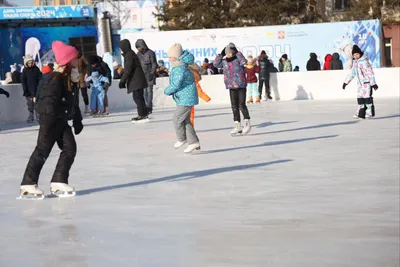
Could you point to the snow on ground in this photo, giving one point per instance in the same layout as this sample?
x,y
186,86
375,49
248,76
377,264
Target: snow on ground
x,y
309,187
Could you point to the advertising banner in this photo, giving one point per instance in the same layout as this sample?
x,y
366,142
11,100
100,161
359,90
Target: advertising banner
x,y
45,12
297,41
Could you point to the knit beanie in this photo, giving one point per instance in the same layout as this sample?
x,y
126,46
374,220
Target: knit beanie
x,y
95,74
46,69
175,51
356,50
284,56
27,59
64,53
228,48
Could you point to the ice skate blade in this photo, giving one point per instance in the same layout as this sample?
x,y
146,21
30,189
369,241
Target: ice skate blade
x,y
62,194
237,134
31,197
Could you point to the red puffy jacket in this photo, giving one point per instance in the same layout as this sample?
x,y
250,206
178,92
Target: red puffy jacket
x,y
327,64
251,76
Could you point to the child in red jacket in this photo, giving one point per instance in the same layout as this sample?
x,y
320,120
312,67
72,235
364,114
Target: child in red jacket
x,y
251,77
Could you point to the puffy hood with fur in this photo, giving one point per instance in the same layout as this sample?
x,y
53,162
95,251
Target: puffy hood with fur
x,y
27,59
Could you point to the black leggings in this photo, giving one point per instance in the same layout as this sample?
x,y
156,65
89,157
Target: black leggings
x,y
267,88
238,102
51,130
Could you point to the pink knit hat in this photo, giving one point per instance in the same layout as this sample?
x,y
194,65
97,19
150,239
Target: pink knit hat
x,y
64,53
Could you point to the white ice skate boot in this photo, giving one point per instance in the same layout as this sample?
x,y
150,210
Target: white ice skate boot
x,y
62,190
237,129
247,127
30,192
178,144
192,148
87,110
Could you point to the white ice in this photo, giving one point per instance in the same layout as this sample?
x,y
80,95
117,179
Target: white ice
x,y
310,186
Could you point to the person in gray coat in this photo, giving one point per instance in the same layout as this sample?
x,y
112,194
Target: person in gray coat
x,y
336,63
148,61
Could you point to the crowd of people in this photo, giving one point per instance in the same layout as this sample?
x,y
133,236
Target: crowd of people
x,y
53,94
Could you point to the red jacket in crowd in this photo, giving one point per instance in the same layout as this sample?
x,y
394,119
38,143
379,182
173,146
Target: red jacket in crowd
x,y
251,73
327,64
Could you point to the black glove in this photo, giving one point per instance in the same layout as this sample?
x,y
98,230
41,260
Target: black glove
x,y
78,126
4,92
234,50
223,53
102,83
121,85
344,86
375,86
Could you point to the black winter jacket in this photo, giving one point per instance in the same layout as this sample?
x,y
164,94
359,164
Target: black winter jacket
x,y
265,68
133,76
148,61
30,78
55,99
336,63
313,63
101,67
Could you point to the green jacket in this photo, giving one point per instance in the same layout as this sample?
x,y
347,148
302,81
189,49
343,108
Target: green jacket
x,y
287,66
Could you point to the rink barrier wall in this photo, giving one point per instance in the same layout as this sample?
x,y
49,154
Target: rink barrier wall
x,y
317,85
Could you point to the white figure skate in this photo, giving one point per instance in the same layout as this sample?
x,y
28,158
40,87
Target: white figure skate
x,y
237,129
62,190
30,192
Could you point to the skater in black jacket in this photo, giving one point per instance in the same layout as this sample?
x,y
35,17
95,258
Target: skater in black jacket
x,y
57,104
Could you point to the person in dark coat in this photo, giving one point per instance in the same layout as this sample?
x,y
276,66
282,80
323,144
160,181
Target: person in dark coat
x,y
134,80
82,68
336,63
57,104
265,66
30,78
313,63
96,63
148,61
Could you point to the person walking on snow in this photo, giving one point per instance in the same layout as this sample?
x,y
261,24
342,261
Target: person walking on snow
x,y
251,70
148,61
58,103
30,79
97,97
232,61
327,63
182,88
196,69
362,69
313,63
134,80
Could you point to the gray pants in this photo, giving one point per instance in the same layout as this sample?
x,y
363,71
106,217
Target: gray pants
x,y
148,96
183,127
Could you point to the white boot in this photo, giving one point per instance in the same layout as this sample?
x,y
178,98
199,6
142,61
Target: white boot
x,y
87,110
247,127
178,144
30,192
192,148
62,190
237,129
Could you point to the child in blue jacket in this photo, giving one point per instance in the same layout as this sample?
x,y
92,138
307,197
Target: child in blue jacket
x,y
184,92
99,83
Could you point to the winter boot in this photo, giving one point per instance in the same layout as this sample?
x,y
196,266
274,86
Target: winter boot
x,y
149,111
247,127
192,148
237,129
361,113
140,120
250,100
87,110
30,192
62,190
269,97
178,144
30,118
258,99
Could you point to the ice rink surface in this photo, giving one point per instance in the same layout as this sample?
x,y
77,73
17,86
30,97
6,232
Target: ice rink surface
x,y
310,186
